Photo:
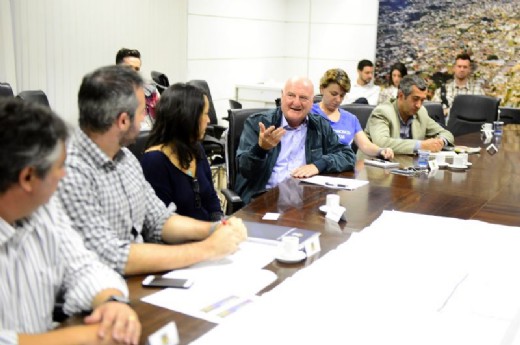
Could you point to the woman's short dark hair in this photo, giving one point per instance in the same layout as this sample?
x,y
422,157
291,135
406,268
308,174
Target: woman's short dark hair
x,y
177,121
30,136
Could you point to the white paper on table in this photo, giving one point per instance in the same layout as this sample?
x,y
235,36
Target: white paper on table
x,y
335,182
239,275
217,300
406,279
251,255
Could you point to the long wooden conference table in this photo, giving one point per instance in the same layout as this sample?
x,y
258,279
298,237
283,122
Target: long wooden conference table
x,y
488,191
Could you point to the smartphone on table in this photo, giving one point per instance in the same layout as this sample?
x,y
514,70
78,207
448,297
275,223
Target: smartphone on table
x,y
159,281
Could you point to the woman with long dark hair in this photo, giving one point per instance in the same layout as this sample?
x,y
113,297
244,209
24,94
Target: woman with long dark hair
x,y
397,72
174,162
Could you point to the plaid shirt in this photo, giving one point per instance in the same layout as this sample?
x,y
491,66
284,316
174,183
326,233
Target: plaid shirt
x,y
452,90
109,201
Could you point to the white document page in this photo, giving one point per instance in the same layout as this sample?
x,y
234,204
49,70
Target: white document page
x,y
406,279
221,287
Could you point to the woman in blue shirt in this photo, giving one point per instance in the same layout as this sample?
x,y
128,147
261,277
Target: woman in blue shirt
x,y
334,85
175,163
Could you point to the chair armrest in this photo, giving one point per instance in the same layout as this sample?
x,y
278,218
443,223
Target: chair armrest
x,y
233,201
215,131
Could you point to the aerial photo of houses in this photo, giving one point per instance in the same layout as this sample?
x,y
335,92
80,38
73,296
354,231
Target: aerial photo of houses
x,y
426,36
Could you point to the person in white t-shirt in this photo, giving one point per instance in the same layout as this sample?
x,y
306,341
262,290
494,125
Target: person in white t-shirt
x,y
364,90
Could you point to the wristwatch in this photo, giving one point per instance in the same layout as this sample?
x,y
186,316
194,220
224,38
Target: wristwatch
x,y
120,299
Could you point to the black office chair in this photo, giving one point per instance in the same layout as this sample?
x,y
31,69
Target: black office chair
x,y
6,90
161,80
469,112
213,128
436,112
234,104
236,118
36,96
139,146
362,111
509,115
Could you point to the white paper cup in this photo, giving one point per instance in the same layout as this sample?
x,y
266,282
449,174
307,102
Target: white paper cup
x,y
440,159
332,200
487,126
458,161
289,245
464,157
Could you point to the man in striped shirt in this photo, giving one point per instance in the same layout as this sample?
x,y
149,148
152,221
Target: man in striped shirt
x,y
41,256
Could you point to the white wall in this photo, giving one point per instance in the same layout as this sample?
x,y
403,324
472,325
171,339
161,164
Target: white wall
x,y
56,42
261,41
51,44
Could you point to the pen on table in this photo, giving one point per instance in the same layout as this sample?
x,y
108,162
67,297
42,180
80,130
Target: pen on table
x,y
339,185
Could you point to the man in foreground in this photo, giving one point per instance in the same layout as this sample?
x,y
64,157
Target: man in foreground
x,y
41,255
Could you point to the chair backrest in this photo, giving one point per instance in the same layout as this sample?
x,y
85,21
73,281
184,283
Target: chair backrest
x,y
234,104
469,112
509,115
236,118
202,84
436,112
36,96
362,111
139,146
6,90
161,80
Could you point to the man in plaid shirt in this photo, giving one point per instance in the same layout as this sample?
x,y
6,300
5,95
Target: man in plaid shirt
x,y
460,85
107,197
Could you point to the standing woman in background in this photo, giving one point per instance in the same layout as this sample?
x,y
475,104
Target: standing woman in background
x,y
175,163
397,72
334,85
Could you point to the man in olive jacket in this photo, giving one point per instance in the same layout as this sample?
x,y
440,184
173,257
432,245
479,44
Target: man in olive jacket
x,y
288,141
404,124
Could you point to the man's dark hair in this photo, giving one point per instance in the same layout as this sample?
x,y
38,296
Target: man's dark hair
x,y
29,137
364,63
125,52
105,94
463,56
412,80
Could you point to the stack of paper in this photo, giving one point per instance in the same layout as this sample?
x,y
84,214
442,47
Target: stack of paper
x,y
407,279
